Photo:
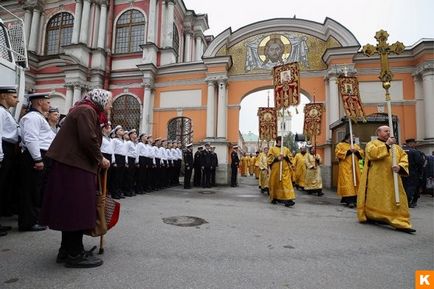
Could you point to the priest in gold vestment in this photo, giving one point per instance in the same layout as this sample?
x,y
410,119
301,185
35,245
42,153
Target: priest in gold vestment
x,y
376,196
347,188
300,168
313,180
264,174
280,190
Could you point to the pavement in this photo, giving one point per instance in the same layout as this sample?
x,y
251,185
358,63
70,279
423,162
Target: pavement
x,y
243,241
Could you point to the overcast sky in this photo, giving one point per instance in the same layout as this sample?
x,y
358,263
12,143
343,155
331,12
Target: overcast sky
x,y
406,21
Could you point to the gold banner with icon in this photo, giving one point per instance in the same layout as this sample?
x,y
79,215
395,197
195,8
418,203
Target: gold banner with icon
x,y
349,91
312,118
286,79
267,123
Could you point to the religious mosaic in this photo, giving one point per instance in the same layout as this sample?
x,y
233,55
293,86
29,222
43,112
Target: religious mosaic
x,y
261,53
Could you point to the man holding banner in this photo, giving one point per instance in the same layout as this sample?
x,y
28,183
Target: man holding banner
x,y
280,189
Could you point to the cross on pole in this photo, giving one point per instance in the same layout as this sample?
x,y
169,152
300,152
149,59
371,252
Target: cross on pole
x,y
384,50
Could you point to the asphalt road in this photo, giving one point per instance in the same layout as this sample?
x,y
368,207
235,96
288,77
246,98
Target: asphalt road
x,y
246,242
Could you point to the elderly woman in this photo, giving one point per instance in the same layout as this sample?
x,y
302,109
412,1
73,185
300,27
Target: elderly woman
x,y
69,202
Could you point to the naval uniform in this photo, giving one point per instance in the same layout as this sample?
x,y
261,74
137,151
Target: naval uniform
x,y
37,136
8,160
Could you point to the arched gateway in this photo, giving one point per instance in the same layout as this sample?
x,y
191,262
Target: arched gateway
x,y
237,64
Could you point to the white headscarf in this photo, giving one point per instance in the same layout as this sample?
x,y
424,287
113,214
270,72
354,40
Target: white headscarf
x,y
98,96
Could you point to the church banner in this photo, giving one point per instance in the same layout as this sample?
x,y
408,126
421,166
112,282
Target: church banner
x,y
312,118
267,123
349,91
286,79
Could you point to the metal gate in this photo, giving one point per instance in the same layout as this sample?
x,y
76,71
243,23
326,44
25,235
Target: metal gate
x,y
126,112
180,129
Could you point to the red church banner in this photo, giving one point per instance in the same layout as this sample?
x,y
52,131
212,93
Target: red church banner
x,y
286,79
267,123
312,118
349,91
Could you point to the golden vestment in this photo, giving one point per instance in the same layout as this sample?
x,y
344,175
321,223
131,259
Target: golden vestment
x,y
346,187
280,190
300,169
313,180
264,174
376,195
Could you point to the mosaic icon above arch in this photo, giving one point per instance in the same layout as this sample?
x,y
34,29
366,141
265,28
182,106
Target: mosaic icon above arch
x,y
261,53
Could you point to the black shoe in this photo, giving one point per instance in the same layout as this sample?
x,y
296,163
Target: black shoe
x,y
273,201
412,205
3,233
320,194
34,228
5,228
406,230
289,203
351,205
83,260
61,256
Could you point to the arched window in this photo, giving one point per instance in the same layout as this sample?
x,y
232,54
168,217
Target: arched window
x,y
59,32
130,32
175,40
180,129
126,112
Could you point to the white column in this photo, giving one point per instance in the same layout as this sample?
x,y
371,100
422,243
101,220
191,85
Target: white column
x,y
162,25
169,17
333,108
102,26
187,47
77,22
85,22
221,112
198,48
77,94
96,14
210,109
68,98
420,110
27,23
151,21
428,94
33,41
147,110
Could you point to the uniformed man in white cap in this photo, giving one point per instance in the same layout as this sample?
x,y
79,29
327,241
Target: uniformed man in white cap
x,y
131,174
120,162
188,165
215,164
36,136
8,143
53,118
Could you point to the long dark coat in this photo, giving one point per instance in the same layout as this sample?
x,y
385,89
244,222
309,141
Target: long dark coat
x,y
70,194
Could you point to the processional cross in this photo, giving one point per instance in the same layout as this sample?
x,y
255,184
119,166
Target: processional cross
x,y
384,50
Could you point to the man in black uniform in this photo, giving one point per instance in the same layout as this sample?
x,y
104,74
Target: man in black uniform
x,y
235,161
215,164
188,163
197,167
416,161
206,166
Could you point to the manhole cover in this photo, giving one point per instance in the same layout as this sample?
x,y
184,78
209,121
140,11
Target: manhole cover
x,y
184,221
206,192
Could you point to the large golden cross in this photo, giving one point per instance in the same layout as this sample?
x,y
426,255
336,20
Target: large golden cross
x,y
384,49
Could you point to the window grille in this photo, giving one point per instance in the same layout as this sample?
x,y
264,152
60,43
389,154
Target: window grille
x,y
59,32
175,39
126,112
130,32
180,129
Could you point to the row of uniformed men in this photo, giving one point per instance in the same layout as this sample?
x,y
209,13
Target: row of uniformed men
x,y
140,164
36,135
